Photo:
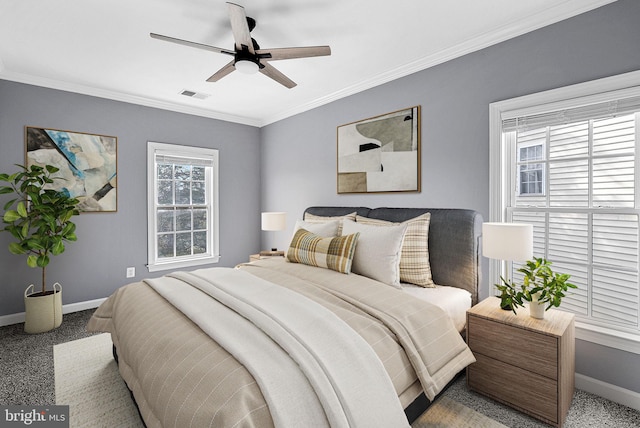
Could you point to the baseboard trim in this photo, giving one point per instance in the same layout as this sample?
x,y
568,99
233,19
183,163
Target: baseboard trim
x,y
66,309
609,391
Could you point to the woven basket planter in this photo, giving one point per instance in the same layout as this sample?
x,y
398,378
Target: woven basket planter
x,y
43,312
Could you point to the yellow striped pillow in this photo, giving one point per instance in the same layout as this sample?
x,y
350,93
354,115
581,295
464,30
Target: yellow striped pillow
x,y
330,253
414,259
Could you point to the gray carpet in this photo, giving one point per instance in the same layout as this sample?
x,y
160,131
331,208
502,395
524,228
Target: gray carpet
x,y
26,364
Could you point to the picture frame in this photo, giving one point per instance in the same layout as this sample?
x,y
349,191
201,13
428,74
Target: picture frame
x,y
87,163
380,154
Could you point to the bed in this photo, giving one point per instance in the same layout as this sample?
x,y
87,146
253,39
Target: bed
x,y
319,344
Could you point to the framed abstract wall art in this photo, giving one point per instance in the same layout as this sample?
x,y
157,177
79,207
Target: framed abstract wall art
x,y
87,163
380,154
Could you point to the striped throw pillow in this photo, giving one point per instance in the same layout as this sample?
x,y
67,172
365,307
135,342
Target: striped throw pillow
x,y
330,253
414,260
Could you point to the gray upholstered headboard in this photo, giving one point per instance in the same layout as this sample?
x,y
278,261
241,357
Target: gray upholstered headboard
x,y
454,240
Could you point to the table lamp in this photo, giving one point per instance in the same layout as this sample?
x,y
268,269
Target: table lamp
x,y
507,242
273,221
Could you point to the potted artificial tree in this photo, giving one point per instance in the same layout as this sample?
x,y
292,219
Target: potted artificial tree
x,y
541,287
39,219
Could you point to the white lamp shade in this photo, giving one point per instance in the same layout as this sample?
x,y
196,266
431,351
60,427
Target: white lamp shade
x,y
507,241
274,221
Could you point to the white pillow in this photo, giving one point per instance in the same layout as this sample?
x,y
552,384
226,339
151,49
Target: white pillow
x,y
378,251
325,230
312,218
414,261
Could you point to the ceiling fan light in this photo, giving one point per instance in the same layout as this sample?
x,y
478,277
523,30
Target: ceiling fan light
x,y
246,66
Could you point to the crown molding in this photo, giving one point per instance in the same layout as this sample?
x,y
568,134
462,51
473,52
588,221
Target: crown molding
x,y
550,16
562,11
124,97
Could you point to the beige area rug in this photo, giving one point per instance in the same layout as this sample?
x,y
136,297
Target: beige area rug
x,y
446,413
87,379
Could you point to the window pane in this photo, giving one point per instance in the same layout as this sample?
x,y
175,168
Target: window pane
x,y
199,242
614,136
568,238
165,192
615,296
577,299
183,192
183,172
566,141
569,183
198,173
198,193
199,219
165,220
183,244
165,171
183,220
165,246
614,182
615,241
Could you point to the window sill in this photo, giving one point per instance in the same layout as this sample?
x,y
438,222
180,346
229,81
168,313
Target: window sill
x,y
182,264
603,336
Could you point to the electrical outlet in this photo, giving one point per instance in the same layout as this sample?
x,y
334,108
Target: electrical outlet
x,y
131,272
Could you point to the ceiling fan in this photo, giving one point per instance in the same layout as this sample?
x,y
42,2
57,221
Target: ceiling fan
x,y
247,55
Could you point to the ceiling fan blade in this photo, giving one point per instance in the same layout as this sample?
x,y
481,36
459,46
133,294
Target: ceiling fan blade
x,y
222,72
240,27
191,44
271,71
291,53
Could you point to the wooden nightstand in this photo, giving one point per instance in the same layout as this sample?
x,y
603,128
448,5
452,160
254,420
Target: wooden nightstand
x,y
254,257
526,363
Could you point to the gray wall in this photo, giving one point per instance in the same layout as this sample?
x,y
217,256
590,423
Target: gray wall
x,y
94,266
299,153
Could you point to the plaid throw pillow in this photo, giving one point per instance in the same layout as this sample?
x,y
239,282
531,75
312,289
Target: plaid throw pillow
x,y
329,253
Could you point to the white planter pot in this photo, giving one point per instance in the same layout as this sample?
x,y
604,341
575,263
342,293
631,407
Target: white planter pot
x,y
43,313
536,310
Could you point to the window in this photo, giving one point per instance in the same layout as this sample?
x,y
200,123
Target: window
x,y
530,170
567,163
182,186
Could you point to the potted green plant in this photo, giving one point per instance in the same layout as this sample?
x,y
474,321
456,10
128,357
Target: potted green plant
x,y
39,219
541,287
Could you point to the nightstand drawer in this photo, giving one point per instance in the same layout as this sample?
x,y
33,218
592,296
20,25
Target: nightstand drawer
x,y
529,392
534,351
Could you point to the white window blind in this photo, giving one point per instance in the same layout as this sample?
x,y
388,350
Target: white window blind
x,y
576,111
586,219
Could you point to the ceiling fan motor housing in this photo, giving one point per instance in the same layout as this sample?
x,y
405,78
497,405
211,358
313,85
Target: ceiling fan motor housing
x,y
245,56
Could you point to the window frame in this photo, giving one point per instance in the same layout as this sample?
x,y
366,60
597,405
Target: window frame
x,y
502,155
155,264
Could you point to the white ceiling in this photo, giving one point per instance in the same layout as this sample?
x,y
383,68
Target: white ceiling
x,y
102,47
